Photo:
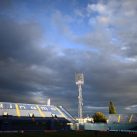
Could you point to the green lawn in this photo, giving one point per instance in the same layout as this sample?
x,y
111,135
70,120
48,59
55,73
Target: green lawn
x,y
68,134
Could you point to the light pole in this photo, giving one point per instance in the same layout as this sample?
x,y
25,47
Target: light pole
x,y
79,77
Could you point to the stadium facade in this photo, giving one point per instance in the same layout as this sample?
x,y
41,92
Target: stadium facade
x,y
122,121
115,122
19,116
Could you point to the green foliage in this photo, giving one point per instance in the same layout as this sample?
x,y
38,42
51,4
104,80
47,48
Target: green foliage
x,y
112,108
99,117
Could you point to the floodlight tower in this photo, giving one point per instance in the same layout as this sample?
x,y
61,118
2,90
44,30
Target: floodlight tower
x,y
79,77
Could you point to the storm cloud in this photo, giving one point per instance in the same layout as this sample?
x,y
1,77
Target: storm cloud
x,y
41,50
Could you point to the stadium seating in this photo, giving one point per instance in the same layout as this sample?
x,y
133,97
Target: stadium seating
x,y
24,110
122,118
18,116
67,115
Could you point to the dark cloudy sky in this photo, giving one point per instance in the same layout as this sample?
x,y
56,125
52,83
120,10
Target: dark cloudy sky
x,y
44,42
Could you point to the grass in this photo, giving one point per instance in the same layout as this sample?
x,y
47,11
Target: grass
x,y
69,134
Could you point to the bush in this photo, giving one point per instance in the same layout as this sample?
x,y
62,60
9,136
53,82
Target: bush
x,y
99,117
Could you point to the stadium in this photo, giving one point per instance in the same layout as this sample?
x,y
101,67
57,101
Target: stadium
x,y
21,117
18,117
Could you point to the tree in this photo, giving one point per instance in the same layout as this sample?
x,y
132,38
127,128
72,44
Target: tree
x,y
112,108
99,117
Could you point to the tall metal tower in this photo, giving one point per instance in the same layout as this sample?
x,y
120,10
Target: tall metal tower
x,y
79,77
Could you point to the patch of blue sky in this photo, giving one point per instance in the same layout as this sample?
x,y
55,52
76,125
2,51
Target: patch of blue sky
x,y
27,10
64,43
83,26
61,6
80,29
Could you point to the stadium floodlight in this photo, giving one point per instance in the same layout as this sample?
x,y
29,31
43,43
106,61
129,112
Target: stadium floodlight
x,y
79,77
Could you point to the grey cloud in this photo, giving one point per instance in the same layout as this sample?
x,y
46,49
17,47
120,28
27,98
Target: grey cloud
x,y
31,72
27,68
5,4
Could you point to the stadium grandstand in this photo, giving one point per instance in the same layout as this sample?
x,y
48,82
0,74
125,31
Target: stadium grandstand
x,y
122,118
18,116
122,121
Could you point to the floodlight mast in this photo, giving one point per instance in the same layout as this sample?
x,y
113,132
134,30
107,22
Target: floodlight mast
x,y
79,77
